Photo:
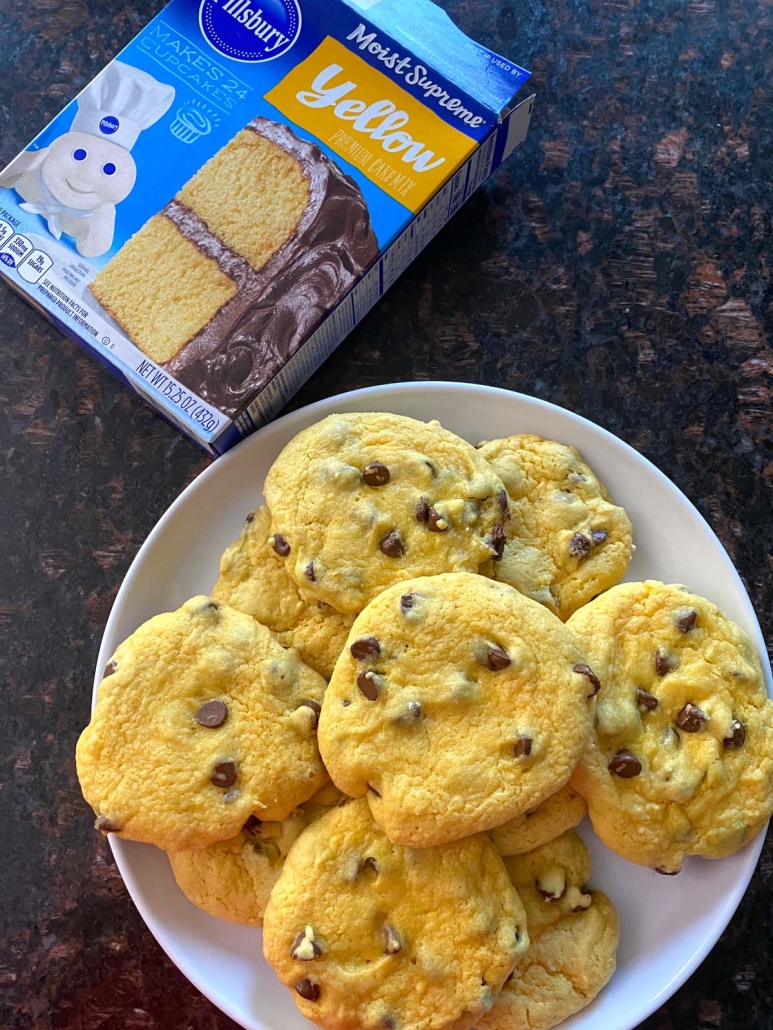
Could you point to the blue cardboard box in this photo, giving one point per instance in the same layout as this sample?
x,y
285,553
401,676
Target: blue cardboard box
x,y
228,198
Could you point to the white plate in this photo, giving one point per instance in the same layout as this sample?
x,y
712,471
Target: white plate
x,y
667,925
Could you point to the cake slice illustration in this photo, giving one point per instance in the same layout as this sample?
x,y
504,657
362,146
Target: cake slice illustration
x,y
223,285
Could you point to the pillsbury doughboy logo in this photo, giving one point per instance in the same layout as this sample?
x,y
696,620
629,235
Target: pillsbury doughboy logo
x,y
250,31
109,125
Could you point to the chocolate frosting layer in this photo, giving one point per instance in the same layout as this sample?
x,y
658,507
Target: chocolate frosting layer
x,y
253,336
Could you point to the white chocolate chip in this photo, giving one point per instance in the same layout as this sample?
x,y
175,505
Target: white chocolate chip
x,y
305,947
390,940
552,883
577,899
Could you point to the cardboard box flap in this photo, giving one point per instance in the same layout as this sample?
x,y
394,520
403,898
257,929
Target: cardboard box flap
x,y
426,31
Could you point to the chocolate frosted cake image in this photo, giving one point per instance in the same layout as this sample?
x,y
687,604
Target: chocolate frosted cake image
x,y
228,280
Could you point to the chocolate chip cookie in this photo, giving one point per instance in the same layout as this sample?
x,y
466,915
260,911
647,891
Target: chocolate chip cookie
x,y
361,501
574,936
367,934
566,540
457,704
560,812
202,720
253,579
681,759
232,880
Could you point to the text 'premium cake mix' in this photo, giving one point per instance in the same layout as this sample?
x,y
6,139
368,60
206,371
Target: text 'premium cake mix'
x,y
228,198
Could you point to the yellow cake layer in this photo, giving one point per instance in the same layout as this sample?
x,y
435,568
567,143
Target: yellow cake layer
x,y
251,195
162,289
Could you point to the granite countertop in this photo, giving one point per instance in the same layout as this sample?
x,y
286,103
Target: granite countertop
x,y
619,266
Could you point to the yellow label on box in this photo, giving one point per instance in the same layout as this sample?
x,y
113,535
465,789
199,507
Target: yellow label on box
x,y
401,145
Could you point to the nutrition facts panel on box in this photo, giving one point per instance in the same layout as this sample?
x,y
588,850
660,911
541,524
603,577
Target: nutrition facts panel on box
x,y
306,360
431,219
366,292
17,251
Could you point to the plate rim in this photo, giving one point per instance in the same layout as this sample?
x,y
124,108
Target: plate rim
x,y
730,901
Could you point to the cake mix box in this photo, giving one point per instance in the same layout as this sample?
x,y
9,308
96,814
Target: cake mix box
x,y
225,201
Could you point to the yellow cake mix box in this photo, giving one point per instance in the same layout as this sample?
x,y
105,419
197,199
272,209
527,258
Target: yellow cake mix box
x,y
225,201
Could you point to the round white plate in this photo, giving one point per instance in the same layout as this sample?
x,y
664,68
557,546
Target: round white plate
x,y
667,925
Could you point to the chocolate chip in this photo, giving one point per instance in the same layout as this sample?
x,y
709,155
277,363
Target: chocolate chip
x,y
685,622
346,703
579,546
371,865
212,606
502,500
212,714
252,825
737,736
691,719
305,948
309,572
422,510
307,990
407,601
365,647
585,670
110,668
316,708
494,658
414,710
105,825
646,701
522,747
390,940
375,474
598,536
373,791
224,775
667,872
625,764
664,663
392,545
436,523
431,467
280,545
250,517
498,541
368,682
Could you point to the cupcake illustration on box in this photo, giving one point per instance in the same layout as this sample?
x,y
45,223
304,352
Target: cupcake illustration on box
x,y
76,182
190,124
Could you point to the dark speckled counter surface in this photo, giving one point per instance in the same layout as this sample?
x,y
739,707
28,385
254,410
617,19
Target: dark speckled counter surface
x,y
619,265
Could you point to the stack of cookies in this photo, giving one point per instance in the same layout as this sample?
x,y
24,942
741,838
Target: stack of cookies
x,y
377,734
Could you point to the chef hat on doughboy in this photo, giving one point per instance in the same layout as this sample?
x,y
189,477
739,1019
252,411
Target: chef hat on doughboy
x,y
120,103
